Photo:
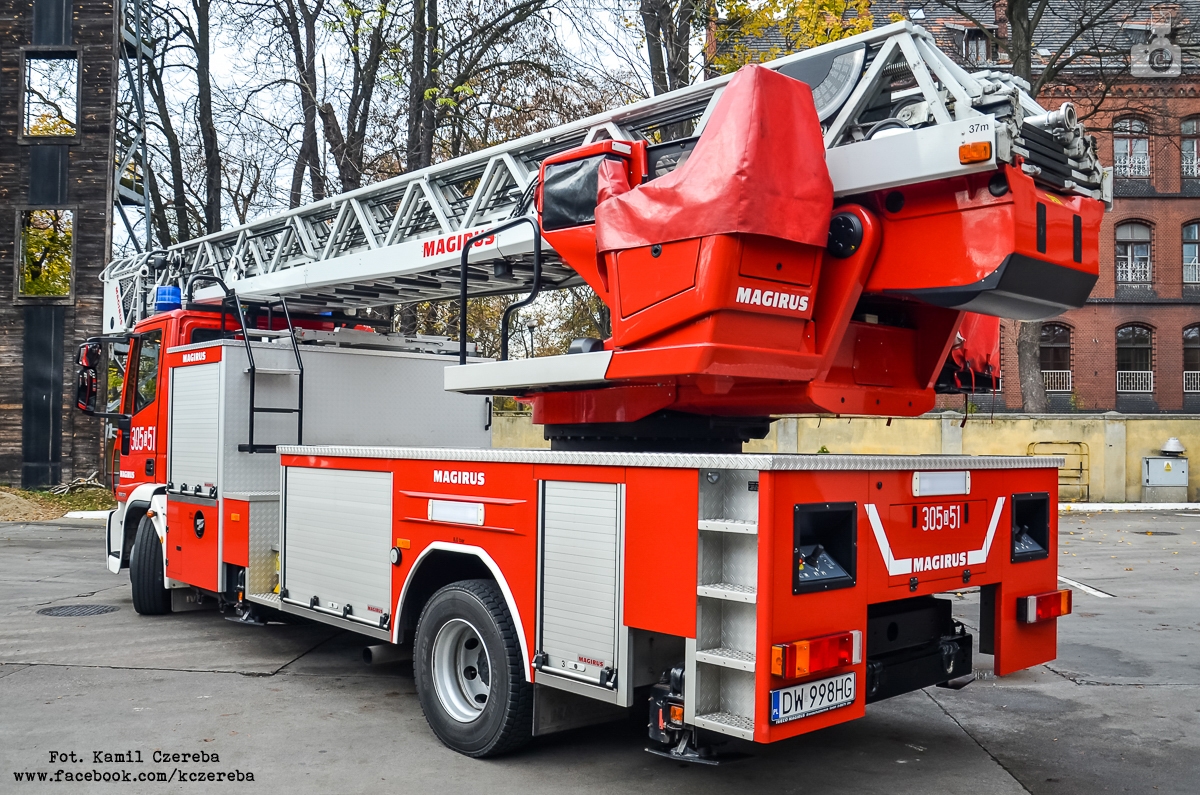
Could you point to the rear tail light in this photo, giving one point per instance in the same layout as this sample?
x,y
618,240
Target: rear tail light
x,y
807,657
1044,606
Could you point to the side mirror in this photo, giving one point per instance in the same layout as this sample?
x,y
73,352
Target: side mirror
x,y
85,391
87,381
89,355
124,422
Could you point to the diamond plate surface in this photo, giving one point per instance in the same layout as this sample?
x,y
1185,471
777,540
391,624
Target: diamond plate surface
x,y
740,561
731,654
711,558
728,719
749,461
737,692
724,624
264,542
708,689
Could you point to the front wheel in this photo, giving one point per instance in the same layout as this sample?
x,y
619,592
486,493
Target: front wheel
x,y
470,674
150,596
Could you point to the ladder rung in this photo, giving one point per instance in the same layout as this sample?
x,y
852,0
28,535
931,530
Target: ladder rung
x,y
273,371
256,448
273,410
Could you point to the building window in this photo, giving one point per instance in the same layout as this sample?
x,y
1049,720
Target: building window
x,y
1133,253
1191,359
1190,130
1056,357
1131,148
975,47
47,253
1191,253
51,94
1135,359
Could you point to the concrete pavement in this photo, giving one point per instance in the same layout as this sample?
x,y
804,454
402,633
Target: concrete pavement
x,y
293,705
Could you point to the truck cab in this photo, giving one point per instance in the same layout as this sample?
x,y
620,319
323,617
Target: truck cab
x,y
128,367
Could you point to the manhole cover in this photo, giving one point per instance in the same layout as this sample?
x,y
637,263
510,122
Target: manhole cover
x,y
78,610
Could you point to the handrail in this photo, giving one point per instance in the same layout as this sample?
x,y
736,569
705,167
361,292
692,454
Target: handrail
x,y
462,284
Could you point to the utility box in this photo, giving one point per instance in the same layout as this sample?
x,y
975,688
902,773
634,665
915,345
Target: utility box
x,y
1164,478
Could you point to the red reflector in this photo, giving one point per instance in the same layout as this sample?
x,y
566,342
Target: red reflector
x,y
806,657
1043,607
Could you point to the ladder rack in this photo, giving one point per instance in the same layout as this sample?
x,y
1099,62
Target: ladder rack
x,y
399,241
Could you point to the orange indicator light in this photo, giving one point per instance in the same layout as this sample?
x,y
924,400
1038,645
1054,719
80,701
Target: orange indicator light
x,y
977,152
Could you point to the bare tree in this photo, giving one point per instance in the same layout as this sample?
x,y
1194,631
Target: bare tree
x,y
448,53
367,31
208,130
165,124
291,33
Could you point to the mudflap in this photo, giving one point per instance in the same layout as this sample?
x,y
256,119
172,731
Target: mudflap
x,y
114,541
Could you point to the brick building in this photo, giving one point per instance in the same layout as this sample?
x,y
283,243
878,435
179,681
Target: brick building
x,y
57,103
1135,346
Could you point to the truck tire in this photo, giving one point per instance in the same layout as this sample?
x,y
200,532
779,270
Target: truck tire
x,y
469,671
150,598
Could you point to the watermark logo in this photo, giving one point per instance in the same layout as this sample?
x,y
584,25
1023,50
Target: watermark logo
x,y
1159,58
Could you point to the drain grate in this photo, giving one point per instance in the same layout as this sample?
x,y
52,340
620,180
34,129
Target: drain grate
x,y
78,610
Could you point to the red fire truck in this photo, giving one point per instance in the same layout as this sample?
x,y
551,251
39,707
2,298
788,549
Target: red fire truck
x,y
835,232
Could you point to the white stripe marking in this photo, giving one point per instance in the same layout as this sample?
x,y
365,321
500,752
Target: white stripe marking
x,y
1086,588
903,566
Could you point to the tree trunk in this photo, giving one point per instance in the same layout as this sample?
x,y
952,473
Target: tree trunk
x,y
315,172
652,19
1020,39
158,209
154,82
429,98
416,87
679,53
300,22
208,129
1029,368
1029,335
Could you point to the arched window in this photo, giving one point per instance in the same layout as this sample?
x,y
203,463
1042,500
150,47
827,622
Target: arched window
x,y
1131,148
1133,253
1056,357
1190,130
1135,359
1191,359
1191,253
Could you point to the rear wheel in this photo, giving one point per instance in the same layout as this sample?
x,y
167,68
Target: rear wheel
x,y
469,671
150,596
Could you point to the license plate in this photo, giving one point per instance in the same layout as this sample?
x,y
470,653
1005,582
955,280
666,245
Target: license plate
x,y
810,698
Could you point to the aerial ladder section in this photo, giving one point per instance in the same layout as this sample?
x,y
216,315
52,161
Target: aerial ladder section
x,y
398,241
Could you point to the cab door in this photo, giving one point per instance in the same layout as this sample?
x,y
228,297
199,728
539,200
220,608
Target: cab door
x,y
143,463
